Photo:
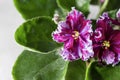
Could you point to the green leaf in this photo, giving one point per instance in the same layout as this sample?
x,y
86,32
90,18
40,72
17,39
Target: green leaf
x,y
82,5
34,8
35,66
93,24
109,5
94,2
112,5
97,72
76,70
36,34
66,4
112,14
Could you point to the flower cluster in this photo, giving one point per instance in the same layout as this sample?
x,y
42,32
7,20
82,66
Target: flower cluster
x,y
106,42
81,42
75,33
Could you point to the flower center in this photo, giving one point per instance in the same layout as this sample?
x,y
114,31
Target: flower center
x,y
75,34
106,44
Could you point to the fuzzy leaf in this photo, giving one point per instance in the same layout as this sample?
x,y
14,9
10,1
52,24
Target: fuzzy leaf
x,y
36,34
66,4
112,5
112,14
95,2
82,5
34,8
97,72
76,70
35,66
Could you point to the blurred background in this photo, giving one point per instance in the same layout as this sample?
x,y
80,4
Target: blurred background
x,y
10,19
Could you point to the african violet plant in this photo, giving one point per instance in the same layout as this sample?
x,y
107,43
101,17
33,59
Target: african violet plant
x,y
68,45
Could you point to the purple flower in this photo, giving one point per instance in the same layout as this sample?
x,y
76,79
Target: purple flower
x,y
106,41
118,15
75,33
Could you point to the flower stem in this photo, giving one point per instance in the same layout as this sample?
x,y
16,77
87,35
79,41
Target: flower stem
x,y
87,63
103,7
87,70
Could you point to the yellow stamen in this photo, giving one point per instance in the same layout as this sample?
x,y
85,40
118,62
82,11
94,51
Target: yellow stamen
x,y
76,34
106,44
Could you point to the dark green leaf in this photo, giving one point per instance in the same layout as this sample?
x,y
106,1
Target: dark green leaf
x,y
95,2
112,5
36,34
34,8
66,4
97,72
76,70
93,24
82,5
35,66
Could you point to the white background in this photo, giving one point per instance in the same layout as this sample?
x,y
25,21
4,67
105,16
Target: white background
x,y
10,20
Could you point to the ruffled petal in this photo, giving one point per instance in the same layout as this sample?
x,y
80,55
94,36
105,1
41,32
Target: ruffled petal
x,y
67,54
71,54
118,15
75,19
115,36
86,28
116,49
75,33
115,42
108,57
118,57
110,52
104,23
60,37
86,47
62,33
87,53
97,49
69,43
98,35
103,29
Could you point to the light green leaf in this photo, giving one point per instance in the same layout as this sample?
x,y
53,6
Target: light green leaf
x,y
112,14
83,5
35,66
34,8
97,72
36,34
76,70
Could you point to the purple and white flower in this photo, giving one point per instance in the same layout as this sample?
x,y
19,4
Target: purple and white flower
x,y
118,15
75,33
106,41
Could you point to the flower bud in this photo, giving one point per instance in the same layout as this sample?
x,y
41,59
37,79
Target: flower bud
x,y
56,18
